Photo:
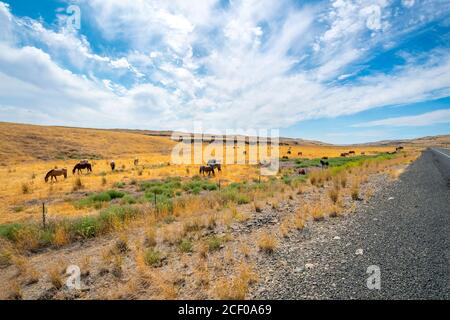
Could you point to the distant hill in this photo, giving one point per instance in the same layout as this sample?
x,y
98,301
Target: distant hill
x,y
23,142
430,141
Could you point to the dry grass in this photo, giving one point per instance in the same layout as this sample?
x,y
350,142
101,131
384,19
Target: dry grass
x,y
236,287
355,192
55,277
317,212
267,242
333,193
285,227
299,220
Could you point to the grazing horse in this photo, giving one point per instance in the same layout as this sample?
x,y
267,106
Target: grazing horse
x,y
215,165
55,173
352,152
302,172
82,165
207,169
300,154
344,154
324,164
113,165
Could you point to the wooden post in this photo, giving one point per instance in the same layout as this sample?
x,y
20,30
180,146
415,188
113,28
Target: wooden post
x,y
43,215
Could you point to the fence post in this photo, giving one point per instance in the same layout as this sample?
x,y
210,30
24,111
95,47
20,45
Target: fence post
x,y
43,215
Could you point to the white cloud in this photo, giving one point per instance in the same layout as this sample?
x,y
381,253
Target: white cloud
x,y
408,3
257,67
425,119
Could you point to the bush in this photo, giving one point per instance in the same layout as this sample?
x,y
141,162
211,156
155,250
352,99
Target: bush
x,y
127,199
119,185
9,231
153,258
185,246
95,200
86,227
214,243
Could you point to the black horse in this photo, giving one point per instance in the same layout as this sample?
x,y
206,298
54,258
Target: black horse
x,y
208,170
324,164
81,166
215,165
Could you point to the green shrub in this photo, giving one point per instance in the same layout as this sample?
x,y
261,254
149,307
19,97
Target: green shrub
x,y
96,200
127,199
186,246
9,231
86,227
153,257
5,258
214,243
119,185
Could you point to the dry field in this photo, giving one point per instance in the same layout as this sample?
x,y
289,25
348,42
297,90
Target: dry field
x,y
190,244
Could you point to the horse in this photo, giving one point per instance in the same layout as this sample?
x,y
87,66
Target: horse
x,y
215,165
300,154
302,172
352,152
82,165
324,164
113,165
54,173
207,169
344,154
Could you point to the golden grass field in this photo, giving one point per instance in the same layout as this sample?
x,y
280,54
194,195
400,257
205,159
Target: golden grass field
x,y
193,250
22,168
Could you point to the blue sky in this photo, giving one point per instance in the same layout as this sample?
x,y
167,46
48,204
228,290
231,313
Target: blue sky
x,y
337,71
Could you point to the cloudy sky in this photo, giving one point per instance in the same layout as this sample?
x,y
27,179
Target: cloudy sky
x,y
337,71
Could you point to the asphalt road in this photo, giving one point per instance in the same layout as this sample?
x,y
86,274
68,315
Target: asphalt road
x,y
412,246
404,231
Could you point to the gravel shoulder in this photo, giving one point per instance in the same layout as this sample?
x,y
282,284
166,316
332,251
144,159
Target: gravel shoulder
x,y
404,230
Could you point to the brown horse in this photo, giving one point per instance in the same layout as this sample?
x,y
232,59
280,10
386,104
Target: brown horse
x,y
208,170
55,173
81,166
113,165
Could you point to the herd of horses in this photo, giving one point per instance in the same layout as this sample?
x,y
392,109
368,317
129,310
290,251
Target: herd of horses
x,y
209,169
85,165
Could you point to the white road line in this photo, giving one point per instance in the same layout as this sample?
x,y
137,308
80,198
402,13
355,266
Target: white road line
x,y
441,153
